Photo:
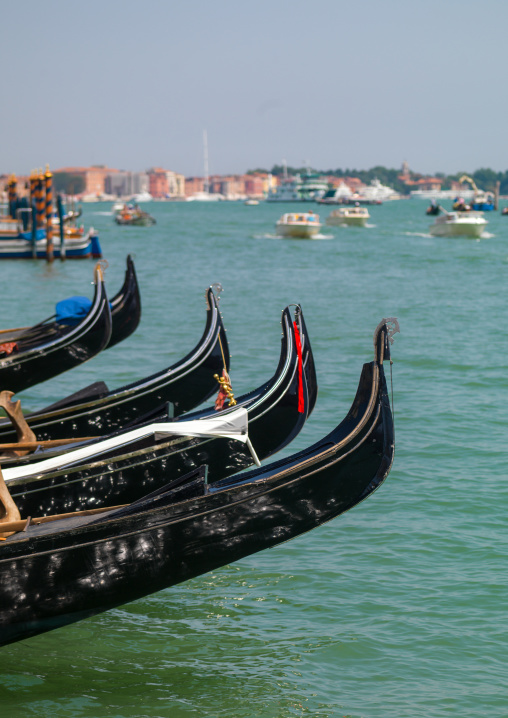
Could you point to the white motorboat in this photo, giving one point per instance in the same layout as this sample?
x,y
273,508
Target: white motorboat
x,y
351,216
459,224
205,197
141,197
300,225
376,193
337,195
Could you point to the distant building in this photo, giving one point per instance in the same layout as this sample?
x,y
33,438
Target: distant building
x,y
426,183
417,182
176,184
158,183
22,186
255,186
230,186
405,172
94,178
126,184
194,185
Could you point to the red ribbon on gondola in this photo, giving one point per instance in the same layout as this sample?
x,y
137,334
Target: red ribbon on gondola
x,y
8,347
301,401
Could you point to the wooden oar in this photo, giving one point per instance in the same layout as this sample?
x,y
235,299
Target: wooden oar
x,y
45,444
16,526
17,329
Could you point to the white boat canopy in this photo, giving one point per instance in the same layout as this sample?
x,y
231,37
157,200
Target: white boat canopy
x,y
229,426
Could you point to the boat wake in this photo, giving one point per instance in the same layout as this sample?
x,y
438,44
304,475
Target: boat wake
x,y
427,235
486,235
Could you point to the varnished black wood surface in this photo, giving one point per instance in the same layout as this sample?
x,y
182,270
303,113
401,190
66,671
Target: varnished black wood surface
x,y
125,307
130,471
185,385
55,574
58,348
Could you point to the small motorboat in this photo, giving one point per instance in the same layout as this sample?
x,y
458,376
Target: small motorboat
x,y
350,216
459,224
61,569
299,225
251,202
132,215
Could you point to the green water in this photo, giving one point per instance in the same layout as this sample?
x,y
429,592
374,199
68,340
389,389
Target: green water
x,y
397,609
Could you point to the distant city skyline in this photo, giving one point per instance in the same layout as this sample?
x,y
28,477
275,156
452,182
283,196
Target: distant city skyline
x,y
335,86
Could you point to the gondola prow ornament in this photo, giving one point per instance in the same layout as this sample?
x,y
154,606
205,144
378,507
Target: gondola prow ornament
x,y
225,391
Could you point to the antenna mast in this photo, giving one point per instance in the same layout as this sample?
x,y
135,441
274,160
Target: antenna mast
x,y
205,157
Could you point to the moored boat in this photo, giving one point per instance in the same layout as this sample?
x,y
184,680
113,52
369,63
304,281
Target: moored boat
x,y
33,355
310,187
18,244
64,569
125,465
288,190
299,225
31,230
125,307
95,410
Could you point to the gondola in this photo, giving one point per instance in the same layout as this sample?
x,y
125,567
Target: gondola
x,y
125,307
95,410
125,315
126,466
70,568
47,350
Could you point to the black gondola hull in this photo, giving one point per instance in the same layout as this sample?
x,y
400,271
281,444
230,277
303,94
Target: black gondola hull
x,y
126,474
184,385
54,577
125,307
67,348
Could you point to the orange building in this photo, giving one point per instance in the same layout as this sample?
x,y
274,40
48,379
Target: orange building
x,y
254,186
193,185
158,183
94,177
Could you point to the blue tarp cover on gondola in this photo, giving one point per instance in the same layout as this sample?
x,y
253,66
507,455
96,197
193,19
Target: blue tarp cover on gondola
x,y
72,310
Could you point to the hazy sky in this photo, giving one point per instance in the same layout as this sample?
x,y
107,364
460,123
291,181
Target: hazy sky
x,y
332,83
